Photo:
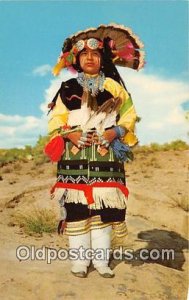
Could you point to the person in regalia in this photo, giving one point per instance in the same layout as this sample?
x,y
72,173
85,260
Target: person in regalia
x,y
92,124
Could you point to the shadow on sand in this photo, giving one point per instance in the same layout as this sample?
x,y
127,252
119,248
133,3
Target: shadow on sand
x,y
160,240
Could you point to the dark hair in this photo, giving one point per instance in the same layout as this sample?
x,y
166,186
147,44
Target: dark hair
x,y
107,65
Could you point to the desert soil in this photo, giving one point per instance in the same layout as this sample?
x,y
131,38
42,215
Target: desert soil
x,y
158,185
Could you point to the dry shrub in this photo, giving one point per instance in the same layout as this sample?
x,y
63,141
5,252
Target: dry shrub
x,y
7,170
37,221
40,160
177,145
17,166
147,176
182,202
157,166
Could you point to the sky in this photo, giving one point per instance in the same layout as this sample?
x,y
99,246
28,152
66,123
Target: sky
x,y
31,37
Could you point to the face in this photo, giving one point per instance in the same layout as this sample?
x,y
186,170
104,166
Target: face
x,y
90,61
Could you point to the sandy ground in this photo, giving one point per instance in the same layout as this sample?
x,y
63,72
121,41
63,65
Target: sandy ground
x,y
158,185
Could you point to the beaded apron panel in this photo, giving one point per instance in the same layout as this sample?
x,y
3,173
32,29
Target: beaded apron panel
x,y
88,166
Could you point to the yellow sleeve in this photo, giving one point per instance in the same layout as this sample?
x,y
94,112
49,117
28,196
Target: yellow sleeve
x,y
127,111
58,116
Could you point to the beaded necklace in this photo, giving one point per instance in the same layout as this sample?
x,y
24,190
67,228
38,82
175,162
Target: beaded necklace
x,y
92,84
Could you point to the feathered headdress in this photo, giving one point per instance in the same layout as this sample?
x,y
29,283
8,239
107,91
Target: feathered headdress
x,y
124,44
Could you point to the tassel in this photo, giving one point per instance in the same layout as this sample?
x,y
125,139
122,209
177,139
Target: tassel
x,y
121,151
55,148
61,227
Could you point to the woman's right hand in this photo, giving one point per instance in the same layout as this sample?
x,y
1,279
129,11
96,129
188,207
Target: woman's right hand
x,y
79,140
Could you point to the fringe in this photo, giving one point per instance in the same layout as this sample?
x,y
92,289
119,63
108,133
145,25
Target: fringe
x,y
111,197
75,196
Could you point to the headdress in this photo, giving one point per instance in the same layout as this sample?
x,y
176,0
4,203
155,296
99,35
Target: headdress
x,y
124,45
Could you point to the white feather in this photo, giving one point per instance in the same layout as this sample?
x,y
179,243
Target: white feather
x,y
104,117
101,119
93,121
109,120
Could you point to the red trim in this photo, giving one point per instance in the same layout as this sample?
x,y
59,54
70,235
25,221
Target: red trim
x,y
88,189
74,96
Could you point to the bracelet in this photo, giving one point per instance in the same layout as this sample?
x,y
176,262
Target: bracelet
x,y
120,131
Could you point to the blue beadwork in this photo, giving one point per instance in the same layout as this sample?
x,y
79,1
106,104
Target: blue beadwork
x,y
92,84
